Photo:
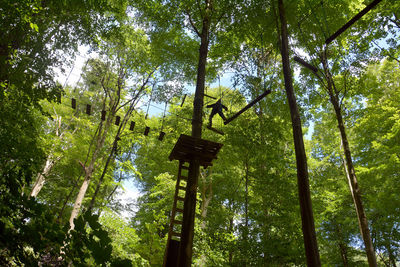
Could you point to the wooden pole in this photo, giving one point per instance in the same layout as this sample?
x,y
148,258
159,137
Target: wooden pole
x,y
189,211
310,240
305,64
352,21
247,107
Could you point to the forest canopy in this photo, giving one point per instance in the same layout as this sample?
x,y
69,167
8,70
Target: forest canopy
x,y
307,170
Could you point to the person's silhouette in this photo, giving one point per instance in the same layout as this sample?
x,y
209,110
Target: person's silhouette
x,y
216,108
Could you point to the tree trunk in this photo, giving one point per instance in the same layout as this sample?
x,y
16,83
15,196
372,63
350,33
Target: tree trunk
x,y
41,178
392,258
349,168
310,241
230,248
79,200
101,136
111,157
121,128
342,246
60,214
355,192
246,212
206,199
186,243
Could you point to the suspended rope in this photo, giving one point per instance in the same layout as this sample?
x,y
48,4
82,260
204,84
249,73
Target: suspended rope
x,y
162,134
263,62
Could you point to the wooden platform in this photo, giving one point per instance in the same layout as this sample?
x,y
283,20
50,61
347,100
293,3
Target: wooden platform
x,y
188,148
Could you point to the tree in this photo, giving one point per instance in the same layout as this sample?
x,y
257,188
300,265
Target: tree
x,y
310,241
377,132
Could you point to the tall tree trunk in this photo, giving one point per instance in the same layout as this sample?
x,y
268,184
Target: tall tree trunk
x,y
392,258
50,161
310,241
101,136
230,248
342,246
41,178
206,194
186,243
246,211
60,214
349,168
121,128
246,203
79,200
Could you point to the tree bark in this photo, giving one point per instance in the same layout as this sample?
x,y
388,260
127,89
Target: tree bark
x,y
41,178
186,243
121,128
349,167
310,241
342,246
101,136
206,199
60,214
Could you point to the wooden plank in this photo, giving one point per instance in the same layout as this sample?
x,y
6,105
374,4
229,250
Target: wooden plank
x,y
161,136
183,100
352,21
215,130
210,96
247,106
117,120
183,177
132,126
146,131
88,109
305,64
176,234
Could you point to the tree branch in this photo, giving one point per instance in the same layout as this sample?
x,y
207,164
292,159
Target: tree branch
x,y
192,23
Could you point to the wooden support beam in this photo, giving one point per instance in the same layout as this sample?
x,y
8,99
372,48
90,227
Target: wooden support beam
x,y
73,103
132,126
183,100
247,107
305,64
352,21
88,109
146,131
210,96
161,136
117,120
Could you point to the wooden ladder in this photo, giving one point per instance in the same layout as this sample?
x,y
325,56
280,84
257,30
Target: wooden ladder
x,y
175,225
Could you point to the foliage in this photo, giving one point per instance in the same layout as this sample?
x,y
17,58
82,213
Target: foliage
x,y
247,212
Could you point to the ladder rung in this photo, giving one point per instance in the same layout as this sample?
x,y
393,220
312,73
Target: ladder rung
x,y
182,177
182,188
180,198
185,167
177,222
179,210
176,234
